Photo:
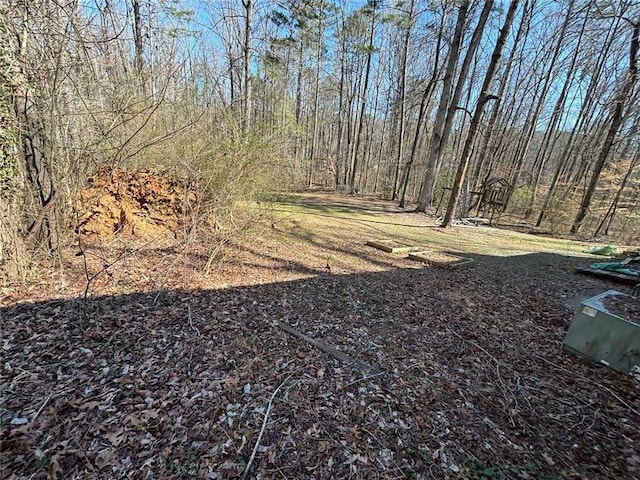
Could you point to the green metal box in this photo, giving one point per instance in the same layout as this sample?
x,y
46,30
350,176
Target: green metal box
x,y
606,329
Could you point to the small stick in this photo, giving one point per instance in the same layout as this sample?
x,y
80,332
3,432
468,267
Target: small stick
x,y
49,398
584,379
43,405
372,369
366,377
245,472
504,387
193,327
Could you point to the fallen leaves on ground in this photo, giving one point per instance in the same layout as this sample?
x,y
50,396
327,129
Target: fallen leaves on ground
x,y
176,383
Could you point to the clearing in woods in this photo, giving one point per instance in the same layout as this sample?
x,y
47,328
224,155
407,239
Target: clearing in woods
x,y
173,364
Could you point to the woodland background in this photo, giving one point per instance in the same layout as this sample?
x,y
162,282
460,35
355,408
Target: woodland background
x,y
420,102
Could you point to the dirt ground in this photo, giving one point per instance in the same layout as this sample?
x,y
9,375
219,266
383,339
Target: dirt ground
x,y
138,358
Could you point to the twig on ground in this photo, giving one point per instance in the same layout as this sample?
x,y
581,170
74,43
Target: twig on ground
x,y
383,446
90,278
193,327
245,472
46,401
43,405
106,264
412,366
472,343
330,350
498,376
593,382
365,377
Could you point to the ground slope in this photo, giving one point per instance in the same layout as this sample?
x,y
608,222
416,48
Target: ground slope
x,y
177,375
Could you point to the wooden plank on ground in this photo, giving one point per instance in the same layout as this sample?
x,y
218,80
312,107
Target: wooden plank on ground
x,y
478,220
616,276
440,259
353,362
392,246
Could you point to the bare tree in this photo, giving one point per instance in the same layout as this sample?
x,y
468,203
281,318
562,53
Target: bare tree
x,y
609,216
438,128
492,129
616,119
246,65
484,97
401,96
137,37
371,8
424,99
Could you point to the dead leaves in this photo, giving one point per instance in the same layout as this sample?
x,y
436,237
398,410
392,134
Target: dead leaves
x,y
147,390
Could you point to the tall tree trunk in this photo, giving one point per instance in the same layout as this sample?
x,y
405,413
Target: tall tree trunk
x,y
454,106
426,96
350,112
401,99
316,96
137,38
607,220
569,152
416,136
246,67
534,114
616,121
436,137
363,102
551,134
477,116
490,131
381,143
298,107
35,148
339,155
368,152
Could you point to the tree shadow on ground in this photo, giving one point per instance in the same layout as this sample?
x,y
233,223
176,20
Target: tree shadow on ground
x,y
177,383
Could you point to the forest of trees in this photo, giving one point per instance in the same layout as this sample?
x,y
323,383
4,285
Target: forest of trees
x,y
418,101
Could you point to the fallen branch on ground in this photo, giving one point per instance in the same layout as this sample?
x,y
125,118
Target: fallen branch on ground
x,y
369,369
245,472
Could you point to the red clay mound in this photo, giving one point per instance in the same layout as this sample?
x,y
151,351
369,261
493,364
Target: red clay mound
x,y
137,203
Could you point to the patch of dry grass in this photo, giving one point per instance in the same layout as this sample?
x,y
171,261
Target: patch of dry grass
x,y
344,224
